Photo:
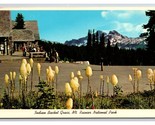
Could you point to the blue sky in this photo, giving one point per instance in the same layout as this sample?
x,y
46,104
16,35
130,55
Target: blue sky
x,y
62,25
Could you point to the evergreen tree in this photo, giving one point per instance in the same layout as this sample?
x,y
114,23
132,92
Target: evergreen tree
x,y
102,46
89,39
150,26
89,46
96,53
97,40
93,37
109,49
102,41
108,45
19,22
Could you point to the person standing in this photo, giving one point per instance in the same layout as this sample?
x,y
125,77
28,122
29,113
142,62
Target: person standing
x,y
24,50
57,57
101,63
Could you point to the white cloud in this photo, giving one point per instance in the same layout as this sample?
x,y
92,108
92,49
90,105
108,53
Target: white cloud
x,y
104,13
122,13
129,27
139,28
129,13
128,22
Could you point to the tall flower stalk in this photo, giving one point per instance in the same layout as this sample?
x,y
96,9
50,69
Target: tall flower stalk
x,y
6,80
20,87
23,73
138,75
11,86
131,81
14,80
68,90
39,70
71,75
78,73
89,74
150,77
47,76
80,82
101,89
80,88
114,82
74,85
28,68
69,103
108,81
134,79
101,85
24,61
31,64
50,74
56,75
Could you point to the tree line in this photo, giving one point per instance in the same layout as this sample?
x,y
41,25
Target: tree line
x,y
110,55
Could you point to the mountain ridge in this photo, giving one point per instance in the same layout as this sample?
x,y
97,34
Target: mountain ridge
x,y
115,37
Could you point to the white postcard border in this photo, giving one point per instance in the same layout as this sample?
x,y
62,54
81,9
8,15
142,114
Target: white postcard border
x,y
77,113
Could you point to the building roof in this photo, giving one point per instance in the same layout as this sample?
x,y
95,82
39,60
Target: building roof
x,y
31,25
31,28
22,35
5,24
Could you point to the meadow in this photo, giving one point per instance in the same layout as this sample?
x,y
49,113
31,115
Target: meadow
x,y
27,84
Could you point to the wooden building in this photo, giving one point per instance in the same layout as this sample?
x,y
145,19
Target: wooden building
x,y
14,39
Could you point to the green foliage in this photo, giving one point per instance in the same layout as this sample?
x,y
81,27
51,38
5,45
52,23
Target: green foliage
x,y
31,99
9,103
45,96
5,101
19,22
118,91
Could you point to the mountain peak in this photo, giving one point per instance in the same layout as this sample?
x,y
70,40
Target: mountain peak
x,y
116,33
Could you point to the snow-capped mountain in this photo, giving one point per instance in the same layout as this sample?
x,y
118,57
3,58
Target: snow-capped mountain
x,y
122,41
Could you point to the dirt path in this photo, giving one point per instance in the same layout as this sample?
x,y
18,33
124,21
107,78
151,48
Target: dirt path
x,y
65,69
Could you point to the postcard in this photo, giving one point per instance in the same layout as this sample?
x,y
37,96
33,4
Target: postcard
x,y
77,62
